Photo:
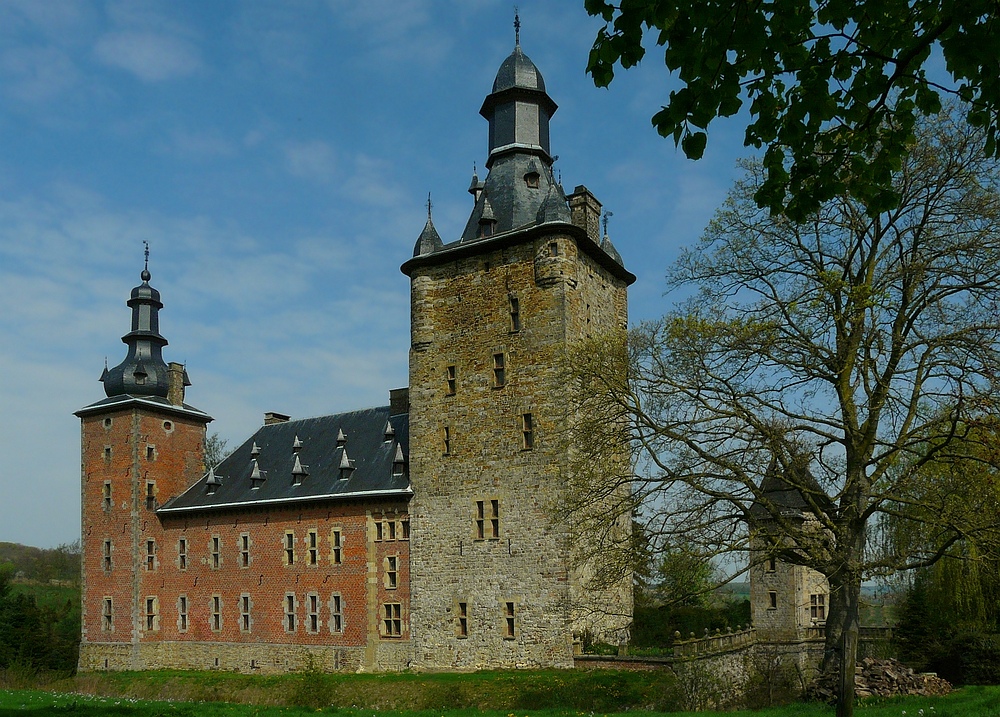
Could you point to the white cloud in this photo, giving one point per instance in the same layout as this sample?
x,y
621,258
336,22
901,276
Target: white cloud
x,y
149,56
36,74
313,160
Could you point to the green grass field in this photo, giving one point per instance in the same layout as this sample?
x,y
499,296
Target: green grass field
x,y
46,595
968,702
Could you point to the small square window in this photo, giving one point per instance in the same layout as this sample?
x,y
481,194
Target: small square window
x,y
392,624
817,607
773,600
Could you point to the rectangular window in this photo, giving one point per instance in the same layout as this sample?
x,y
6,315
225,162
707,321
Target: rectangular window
x,y
509,624
245,612
150,453
451,380
404,527
817,607
391,572
313,541
182,613
773,600
152,618
107,454
182,553
106,496
487,519
107,621
336,547
446,440
499,371
216,613
289,548
515,314
216,552
462,626
527,432
244,550
379,531
772,565
107,556
336,614
392,624
313,617
392,529
150,555
289,612
151,495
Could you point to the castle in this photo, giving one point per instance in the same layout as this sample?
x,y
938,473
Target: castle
x,y
426,534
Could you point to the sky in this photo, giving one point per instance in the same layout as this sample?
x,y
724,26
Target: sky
x,y
277,156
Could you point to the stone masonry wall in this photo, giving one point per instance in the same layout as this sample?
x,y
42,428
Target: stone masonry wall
x,y
484,596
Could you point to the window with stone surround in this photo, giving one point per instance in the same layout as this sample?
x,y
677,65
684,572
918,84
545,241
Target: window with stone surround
x,y
182,553
108,615
312,618
245,623
817,607
391,530
336,613
515,314
509,621
771,565
499,370
182,613
107,454
487,519
244,550
391,566
150,495
772,598
150,452
451,380
150,555
462,620
216,552
527,432
336,546
216,618
152,614
106,496
446,440
106,555
392,620
404,529
289,556
289,612
312,540
379,531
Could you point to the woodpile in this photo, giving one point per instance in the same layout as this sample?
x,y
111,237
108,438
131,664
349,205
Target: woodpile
x,y
881,678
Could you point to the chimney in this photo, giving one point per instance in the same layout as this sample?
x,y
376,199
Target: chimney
x,y
176,381
585,211
399,401
272,417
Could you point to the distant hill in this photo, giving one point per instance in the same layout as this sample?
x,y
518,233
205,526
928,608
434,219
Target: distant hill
x,y
43,564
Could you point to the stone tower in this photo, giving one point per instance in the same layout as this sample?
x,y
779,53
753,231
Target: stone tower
x,y
140,445
786,600
494,583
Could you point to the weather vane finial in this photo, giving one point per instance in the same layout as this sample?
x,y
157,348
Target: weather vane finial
x,y
429,205
145,275
517,28
607,215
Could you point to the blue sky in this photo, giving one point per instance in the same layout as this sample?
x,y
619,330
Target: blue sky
x,y
277,156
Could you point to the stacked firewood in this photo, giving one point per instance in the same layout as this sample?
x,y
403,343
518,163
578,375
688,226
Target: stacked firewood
x,y
882,678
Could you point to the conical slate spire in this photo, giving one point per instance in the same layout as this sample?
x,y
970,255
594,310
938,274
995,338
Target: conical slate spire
x,y
429,240
143,372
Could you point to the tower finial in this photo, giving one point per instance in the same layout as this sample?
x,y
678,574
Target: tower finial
x,y
517,28
145,275
429,205
607,215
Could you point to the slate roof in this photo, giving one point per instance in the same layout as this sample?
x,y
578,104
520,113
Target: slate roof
x,y
789,499
126,400
270,453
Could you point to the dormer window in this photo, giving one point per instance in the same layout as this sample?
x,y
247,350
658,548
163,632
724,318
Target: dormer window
x,y
531,180
486,227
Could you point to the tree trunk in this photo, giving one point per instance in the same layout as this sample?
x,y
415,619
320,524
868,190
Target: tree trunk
x,y
849,646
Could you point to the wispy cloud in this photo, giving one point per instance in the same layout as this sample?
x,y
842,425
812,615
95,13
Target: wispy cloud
x,y
148,56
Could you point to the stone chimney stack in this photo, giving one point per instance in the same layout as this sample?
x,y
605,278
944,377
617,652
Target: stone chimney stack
x,y
176,382
585,211
399,401
272,417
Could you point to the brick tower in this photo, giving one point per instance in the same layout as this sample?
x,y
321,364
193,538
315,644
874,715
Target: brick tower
x,y
140,445
493,579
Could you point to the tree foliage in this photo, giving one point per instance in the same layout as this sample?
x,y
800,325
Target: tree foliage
x,y
833,88
842,353
32,636
215,450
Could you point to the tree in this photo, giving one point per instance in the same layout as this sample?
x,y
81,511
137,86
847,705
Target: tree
x,y
215,450
844,352
834,87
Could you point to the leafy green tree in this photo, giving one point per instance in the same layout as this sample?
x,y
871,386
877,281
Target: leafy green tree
x,y
215,450
833,88
845,352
